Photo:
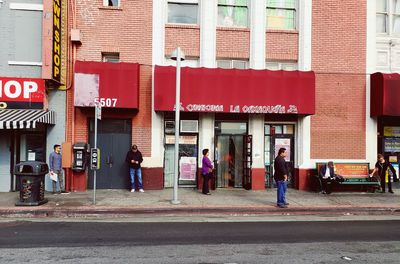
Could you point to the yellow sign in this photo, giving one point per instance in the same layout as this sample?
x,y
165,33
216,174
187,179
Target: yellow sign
x,y
56,70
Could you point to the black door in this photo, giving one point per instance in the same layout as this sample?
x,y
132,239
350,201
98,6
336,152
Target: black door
x,y
114,141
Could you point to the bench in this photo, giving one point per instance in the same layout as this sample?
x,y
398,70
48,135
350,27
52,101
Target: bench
x,y
354,174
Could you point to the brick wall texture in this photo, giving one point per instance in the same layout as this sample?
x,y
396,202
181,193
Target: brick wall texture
x,y
128,31
338,59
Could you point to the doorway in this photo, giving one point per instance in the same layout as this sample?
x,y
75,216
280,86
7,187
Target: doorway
x,y
278,136
231,155
114,141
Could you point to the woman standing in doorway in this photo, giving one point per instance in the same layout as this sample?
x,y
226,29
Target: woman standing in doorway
x,y
206,171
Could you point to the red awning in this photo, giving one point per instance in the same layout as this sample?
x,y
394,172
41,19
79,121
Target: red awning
x,y
236,91
385,94
114,85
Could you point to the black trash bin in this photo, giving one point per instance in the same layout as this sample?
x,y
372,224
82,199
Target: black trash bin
x,y
31,182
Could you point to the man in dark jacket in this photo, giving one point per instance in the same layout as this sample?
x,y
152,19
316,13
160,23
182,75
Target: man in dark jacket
x,y
327,177
134,159
281,177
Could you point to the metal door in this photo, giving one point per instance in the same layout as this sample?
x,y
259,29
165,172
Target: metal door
x,y
114,141
169,166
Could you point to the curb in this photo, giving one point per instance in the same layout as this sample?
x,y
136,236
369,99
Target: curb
x,y
92,211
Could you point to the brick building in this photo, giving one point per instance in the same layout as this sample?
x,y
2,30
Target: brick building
x,y
326,52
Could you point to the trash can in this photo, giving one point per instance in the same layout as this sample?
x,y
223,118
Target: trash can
x,y
31,182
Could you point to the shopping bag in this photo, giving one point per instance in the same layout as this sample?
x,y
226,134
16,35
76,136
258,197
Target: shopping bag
x,y
53,176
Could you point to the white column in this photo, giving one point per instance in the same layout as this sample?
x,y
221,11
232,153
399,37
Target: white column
x,y
208,24
257,61
158,52
257,33
303,159
371,126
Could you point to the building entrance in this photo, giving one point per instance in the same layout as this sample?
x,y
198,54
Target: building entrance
x,y
278,136
231,155
114,141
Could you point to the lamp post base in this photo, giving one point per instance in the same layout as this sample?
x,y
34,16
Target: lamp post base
x,y
175,202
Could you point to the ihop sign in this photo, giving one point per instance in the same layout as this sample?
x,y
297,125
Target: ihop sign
x,y
21,93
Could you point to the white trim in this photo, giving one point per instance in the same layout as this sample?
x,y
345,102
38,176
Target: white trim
x,y
25,6
208,38
158,57
25,63
371,124
257,34
303,142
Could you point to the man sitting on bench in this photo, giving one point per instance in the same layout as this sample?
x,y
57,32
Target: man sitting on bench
x,y
327,177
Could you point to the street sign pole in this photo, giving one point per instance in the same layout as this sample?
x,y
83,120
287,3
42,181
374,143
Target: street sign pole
x,y
97,115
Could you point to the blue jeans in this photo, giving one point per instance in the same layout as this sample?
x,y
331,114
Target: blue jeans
x,y
138,172
281,192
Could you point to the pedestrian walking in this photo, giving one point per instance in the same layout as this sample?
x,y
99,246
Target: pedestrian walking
x,y
134,158
281,178
382,166
206,171
56,171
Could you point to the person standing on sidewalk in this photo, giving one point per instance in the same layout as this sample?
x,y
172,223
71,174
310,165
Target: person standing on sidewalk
x,y
381,166
281,178
134,159
206,171
55,160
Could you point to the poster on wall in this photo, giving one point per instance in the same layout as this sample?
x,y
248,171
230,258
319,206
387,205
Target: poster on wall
x,y
391,144
282,143
187,168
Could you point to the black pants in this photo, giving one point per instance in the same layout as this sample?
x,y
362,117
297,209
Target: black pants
x,y
326,184
383,183
206,178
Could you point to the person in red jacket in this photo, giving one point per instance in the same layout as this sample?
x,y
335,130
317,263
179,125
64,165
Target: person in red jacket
x,y
134,159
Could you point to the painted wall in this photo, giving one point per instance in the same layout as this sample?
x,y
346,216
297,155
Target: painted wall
x,y
21,38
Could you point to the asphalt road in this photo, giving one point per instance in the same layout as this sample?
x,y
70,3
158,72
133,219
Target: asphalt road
x,y
77,234
301,242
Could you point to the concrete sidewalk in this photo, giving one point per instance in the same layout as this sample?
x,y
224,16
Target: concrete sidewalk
x,y
120,203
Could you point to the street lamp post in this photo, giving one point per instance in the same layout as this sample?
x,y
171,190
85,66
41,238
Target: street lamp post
x,y
177,55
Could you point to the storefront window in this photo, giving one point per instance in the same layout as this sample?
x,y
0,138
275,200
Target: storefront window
x,y
234,128
32,147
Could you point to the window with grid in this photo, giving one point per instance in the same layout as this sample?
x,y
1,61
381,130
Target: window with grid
x,y
281,65
232,64
111,2
110,57
232,13
183,12
281,14
388,16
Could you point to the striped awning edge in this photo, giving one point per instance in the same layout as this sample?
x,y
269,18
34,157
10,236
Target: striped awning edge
x,y
25,118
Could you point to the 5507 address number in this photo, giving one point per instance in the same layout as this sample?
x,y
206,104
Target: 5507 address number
x,y
106,102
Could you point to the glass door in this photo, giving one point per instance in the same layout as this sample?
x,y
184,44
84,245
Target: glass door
x,y
276,137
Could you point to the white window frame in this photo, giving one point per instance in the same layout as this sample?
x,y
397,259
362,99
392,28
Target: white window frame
x,y
105,55
296,7
233,5
105,3
231,63
190,2
390,14
282,65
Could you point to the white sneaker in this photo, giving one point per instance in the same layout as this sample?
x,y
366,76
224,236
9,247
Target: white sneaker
x,y
141,190
133,190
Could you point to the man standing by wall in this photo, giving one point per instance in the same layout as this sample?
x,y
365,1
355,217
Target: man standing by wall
x,y
55,161
134,159
281,178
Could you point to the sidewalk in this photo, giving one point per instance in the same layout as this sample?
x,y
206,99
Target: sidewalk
x,y
120,203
